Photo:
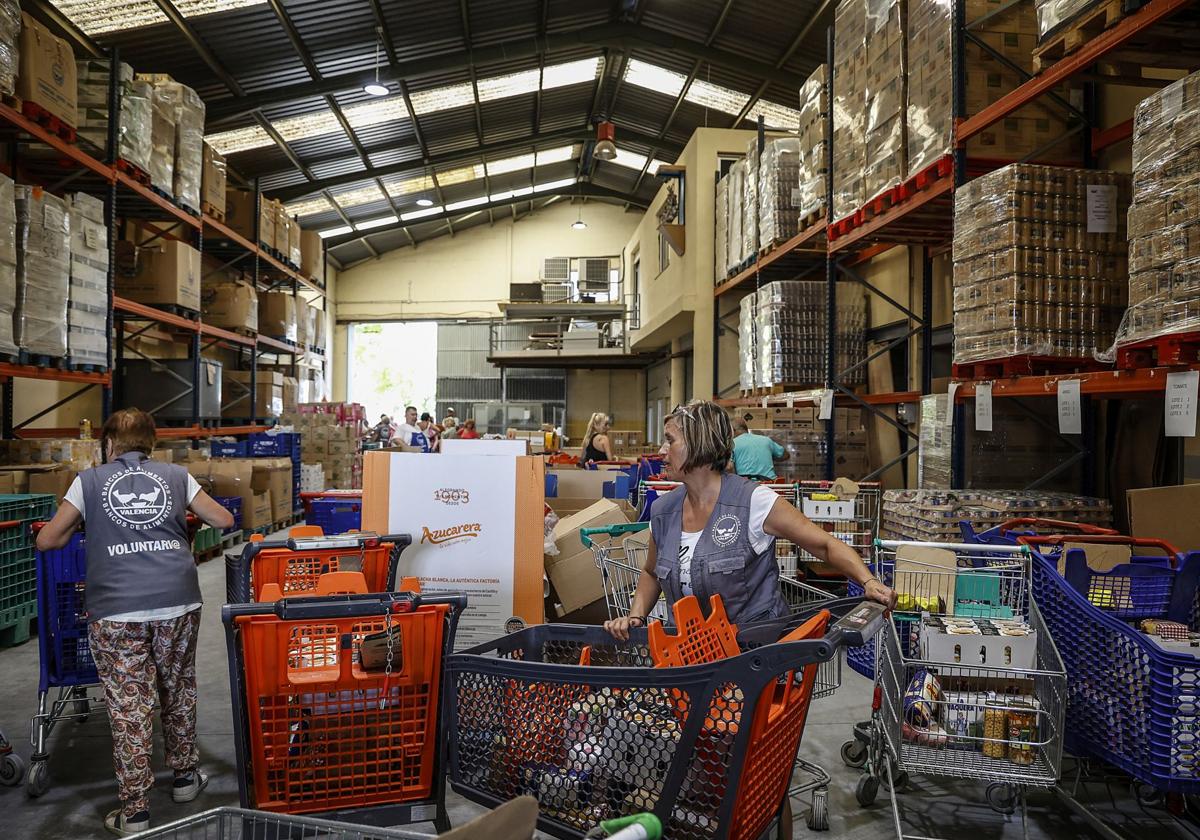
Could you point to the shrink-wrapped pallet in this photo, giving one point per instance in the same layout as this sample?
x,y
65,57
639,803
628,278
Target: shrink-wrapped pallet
x,y
43,272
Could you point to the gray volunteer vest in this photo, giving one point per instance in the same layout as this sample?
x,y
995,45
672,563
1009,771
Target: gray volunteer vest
x,y
724,562
138,553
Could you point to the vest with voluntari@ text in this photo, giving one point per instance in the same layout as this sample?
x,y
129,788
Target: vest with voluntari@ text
x,y
138,553
724,561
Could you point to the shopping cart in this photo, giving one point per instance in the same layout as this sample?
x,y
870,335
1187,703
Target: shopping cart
x,y
621,557
579,720
320,727
854,521
294,564
245,824
962,715
12,766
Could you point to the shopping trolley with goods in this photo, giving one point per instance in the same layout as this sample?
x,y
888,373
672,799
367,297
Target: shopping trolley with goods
x,y
587,725
969,683
621,553
294,565
336,704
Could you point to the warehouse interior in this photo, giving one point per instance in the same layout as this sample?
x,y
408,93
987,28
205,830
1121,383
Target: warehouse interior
x,y
599,419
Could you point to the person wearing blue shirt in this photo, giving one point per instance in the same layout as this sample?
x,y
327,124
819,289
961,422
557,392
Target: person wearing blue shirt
x,y
754,456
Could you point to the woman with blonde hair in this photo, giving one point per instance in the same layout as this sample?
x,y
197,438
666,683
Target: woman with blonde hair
x,y
596,446
715,534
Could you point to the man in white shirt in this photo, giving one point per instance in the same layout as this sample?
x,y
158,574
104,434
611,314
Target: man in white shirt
x,y
409,433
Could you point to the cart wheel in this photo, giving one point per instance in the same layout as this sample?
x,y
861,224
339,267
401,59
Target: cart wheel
x,y
866,790
83,708
818,817
1146,795
1002,798
854,754
12,770
38,781
899,779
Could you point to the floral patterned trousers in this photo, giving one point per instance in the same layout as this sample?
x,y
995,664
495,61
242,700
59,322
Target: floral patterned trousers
x,y
139,663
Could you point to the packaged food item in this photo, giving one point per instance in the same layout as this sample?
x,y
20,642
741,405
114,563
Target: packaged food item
x,y
921,698
962,718
1022,732
995,731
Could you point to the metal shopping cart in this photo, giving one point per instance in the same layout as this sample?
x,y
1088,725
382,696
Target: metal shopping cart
x,y
953,711
578,719
336,704
245,824
621,556
293,565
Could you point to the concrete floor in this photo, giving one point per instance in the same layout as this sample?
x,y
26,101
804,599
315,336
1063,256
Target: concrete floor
x,y
83,788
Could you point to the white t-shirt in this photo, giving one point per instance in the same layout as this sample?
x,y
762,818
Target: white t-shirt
x,y
405,433
74,495
761,502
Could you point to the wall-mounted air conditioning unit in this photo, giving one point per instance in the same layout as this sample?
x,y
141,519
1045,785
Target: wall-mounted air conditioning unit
x,y
556,270
594,274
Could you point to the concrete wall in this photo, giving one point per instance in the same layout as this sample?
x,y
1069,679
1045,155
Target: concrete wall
x,y
621,394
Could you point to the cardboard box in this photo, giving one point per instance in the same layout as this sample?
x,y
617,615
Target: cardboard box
x,y
54,482
266,222
239,211
573,572
236,477
303,323
268,388
582,484
312,253
291,391
14,480
165,272
212,180
293,242
277,315
48,74
1167,513
316,336
278,473
232,306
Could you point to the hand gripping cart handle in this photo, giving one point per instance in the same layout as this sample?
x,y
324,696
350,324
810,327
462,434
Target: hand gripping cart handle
x,y
308,557
323,730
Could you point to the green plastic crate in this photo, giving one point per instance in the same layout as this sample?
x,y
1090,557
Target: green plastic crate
x,y
206,538
27,507
18,580
16,536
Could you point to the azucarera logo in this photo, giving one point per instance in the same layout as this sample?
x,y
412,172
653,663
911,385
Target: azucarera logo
x,y
452,496
441,536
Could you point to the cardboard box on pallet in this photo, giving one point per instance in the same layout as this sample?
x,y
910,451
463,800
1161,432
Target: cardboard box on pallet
x,y
235,399
236,477
10,44
189,139
43,240
849,107
163,117
277,315
311,255
814,164
134,140
8,264
885,94
165,272
779,198
213,180
231,306
47,75
87,303
293,249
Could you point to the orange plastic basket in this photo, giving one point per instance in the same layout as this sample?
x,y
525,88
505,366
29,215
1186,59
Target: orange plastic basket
x,y
297,572
323,733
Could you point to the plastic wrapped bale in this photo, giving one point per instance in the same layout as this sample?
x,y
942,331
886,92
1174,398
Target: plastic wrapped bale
x,y
1164,219
1053,15
933,453
10,53
849,107
8,265
721,232
814,161
779,191
189,145
737,178
164,108
791,332
750,240
748,343
1040,261
87,304
43,271
885,95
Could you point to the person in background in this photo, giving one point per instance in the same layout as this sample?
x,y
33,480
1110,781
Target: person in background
x,y
754,456
715,534
143,601
510,434
430,430
409,433
449,427
382,432
596,446
468,430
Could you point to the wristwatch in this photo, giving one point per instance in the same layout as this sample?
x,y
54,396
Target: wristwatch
x,y
640,618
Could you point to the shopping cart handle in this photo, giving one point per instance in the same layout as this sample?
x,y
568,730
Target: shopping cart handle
x,y
346,606
1061,524
585,534
1102,539
861,624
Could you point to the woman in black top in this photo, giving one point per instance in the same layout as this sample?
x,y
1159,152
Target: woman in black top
x,y
596,446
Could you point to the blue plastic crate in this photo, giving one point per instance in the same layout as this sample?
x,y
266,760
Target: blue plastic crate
x,y
281,444
229,449
66,658
336,516
233,504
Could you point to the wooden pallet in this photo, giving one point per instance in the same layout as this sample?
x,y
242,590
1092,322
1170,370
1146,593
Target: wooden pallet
x,y
1077,32
1165,350
774,390
41,360
212,211
1023,365
134,172
87,368
212,553
34,112
893,197
814,217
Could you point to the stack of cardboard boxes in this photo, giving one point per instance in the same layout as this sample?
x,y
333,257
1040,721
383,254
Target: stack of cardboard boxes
x,y
43,271
1164,220
8,264
264,485
849,117
814,162
627,443
735,252
312,253
790,323
799,431
779,197
133,139
213,176
87,313
240,216
47,70
1040,261
748,343
45,466
330,436
934,515
10,34
164,272
721,258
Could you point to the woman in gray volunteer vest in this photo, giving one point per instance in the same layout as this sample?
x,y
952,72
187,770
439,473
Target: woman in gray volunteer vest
x,y
715,535
143,602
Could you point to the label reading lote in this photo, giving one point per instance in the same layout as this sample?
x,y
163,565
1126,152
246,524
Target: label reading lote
x,y
1180,408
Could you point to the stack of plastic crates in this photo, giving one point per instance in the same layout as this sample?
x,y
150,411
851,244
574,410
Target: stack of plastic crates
x,y
336,515
582,722
18,577
233,504
317,731
279,445
272,569
306,499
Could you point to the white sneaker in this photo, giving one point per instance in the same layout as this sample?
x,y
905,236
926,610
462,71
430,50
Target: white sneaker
x,y
187,788
124,826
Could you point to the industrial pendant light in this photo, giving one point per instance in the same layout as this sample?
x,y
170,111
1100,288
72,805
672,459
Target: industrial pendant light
x,y
376,88
579,223
606,147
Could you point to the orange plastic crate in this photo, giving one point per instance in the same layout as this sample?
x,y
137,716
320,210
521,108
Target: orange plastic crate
x,y
297,572
325,734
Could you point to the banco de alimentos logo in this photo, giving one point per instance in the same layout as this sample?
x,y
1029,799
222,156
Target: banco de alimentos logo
x,y
452,496
136,499
455,533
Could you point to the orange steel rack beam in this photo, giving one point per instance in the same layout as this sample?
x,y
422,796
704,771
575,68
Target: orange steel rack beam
x,y
8,371
1105,383
891,398
782,257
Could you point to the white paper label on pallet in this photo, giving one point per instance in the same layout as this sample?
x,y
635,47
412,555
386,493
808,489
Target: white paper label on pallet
x,y
1102,208
950,394
1172,101
795,196
826,412
823,511
1070,415
91,237
791,402
983,407
764,402
1180,408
